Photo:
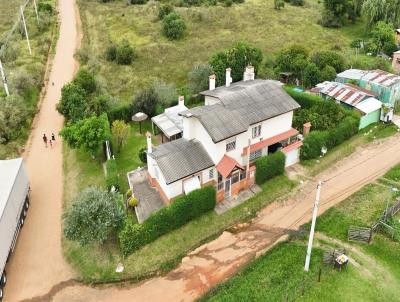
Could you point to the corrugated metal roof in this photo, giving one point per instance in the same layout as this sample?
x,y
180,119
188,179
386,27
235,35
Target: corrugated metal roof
x,y
8,173
242,104
170,122
377,76
348,94
181,158
369,105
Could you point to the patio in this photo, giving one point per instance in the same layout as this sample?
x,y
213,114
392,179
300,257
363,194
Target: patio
x,y
148,198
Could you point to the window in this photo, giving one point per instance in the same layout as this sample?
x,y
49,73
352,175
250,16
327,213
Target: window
x,y
255,154
242,175
231,144
211,173
256,131
220,182
235,178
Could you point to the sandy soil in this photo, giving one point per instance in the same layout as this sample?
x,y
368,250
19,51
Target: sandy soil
x,y
37,263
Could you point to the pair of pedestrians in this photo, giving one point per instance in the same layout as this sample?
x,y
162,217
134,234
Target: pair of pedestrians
x,y
51,141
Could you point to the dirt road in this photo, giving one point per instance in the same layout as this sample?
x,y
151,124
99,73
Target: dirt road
x,y
219,259
38,264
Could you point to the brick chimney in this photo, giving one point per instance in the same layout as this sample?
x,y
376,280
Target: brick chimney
x,y
249,73
212,82
181,103
149,145
306,128
228,78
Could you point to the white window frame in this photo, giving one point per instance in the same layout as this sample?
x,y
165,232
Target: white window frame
x,y
211,173
256,131
231,143
255,154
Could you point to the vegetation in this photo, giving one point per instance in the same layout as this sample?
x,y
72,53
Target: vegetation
x,y
112,178
146,101
387,11
164,10
93,216
270,166
173,26
198,77
180,212
73,104
13,116
120,131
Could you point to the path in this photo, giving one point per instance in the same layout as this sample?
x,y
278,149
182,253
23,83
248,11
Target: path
x,y
37,263
217,260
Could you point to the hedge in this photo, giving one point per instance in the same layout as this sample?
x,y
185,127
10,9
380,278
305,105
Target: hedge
x,y
185,208
269,166
305,100
122,112
112,178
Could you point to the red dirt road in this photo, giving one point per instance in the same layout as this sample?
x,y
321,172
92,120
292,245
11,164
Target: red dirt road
x,y
37,263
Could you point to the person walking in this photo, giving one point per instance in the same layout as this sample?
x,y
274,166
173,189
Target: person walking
x,y
53,137
51,144
45,140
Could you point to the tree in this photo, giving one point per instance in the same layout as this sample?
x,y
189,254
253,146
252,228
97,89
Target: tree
x,y
328,73
73,104
87,134
237,58
120,131
278,4
293,58
329,58
198,77
381,10
125,53
99,104
12,117
382,34
86,81
93,216
173,26
146,101
166,92
312,75
335,12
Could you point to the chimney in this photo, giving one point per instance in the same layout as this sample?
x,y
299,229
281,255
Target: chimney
x,y
228,78
212,82
306,128
149,146
181,103
248,73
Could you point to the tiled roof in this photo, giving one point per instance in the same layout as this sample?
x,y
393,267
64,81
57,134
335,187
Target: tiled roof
x,y
226,165
242,104
181,158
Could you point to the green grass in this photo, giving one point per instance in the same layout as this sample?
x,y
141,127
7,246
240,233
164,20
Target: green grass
x,y
269,277
210,29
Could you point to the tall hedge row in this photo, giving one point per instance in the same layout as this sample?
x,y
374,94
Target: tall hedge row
x,y
185,208
269,166
122,112
305,100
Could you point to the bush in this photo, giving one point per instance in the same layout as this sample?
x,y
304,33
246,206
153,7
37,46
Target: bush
x,y
125,53
164,10
174,26
181,211
305,100
267,167
311,75
146,101
121,112
198,77
296,2
328,73
278,4
73,104
329,58
111,52
86,81
137,1
13,116
312,144
112,179
143,155
93,216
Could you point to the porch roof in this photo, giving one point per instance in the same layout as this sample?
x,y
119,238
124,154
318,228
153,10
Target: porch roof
x,y
226,165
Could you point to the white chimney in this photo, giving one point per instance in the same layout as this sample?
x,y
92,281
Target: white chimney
x,y
212,82
249,73
149,146
181,103
228,77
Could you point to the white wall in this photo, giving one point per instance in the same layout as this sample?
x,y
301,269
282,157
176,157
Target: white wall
x,y
206,173
292,157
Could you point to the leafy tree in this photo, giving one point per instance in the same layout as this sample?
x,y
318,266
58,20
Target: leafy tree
x,y
198,77
87,134
125,53
329,58
93,216
278,4
120,131
99,104
328,73
335,12
312,75
381,10
12,117
86,81
237,58
146,101
382,34
173,26
293,58
164,10
166,92
73,103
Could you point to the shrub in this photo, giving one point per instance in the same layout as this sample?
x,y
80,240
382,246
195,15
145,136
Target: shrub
x,y
198,77
132,202
346,129
125,53
120,131
21,81
174,26
93,216
329,58
146,101
121,112
137,1
164,10
111,52
181,211
269,166
311,75
312,144
112,179
86,81
296,2
328,73
143,155
166,92
305,100
13,116
278,4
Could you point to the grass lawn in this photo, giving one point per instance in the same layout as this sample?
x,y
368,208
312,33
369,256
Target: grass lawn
x,y
267,278
210,29
41,43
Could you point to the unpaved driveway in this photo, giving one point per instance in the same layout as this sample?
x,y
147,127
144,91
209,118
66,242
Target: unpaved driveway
x,y
219,259
38,264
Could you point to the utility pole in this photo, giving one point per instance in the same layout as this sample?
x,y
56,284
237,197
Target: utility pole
x,y
3,76
26,30
314,219
36,11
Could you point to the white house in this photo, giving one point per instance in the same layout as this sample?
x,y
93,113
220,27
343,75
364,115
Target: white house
x,y
238,123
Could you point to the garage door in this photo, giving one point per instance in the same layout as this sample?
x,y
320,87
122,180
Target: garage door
x,y
292,157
